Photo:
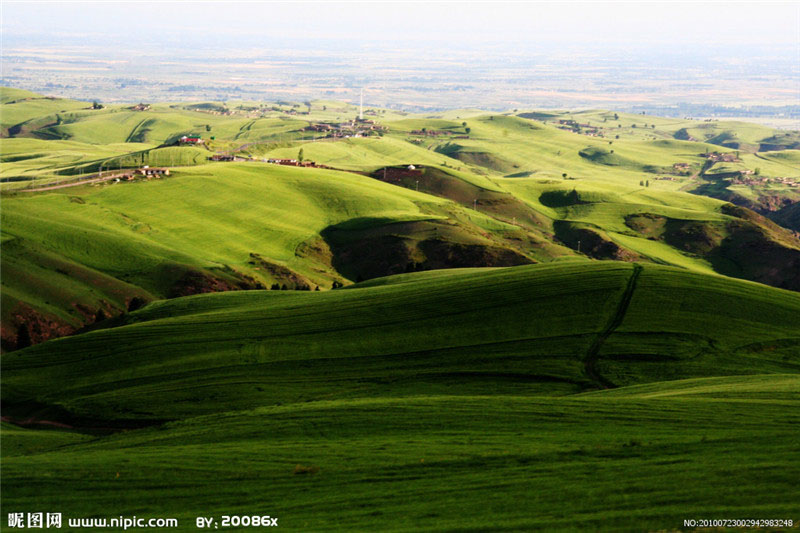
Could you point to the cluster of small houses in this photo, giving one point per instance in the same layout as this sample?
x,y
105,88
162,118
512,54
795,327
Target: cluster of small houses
x,y
191,140
575,127
225,157
721,158
352,128
736,177
144,172
274,161
225,113
746,178
682,169
294,163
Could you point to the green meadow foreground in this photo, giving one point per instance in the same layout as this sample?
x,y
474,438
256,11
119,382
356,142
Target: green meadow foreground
x,y
316,343
458,400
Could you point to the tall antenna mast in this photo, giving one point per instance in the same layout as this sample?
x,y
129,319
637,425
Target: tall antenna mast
x,y
361,107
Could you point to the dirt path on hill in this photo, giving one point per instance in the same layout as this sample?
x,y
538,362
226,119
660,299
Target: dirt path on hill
x,y
72,184
590,361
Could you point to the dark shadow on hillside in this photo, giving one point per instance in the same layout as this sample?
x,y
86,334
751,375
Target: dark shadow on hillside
x,y
591,242
34,414
561,198
369,248
748,247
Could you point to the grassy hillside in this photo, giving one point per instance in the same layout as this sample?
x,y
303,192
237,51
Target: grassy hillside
x,y
23,111
488,190
249,225
34,163
450,388
226,226
539,336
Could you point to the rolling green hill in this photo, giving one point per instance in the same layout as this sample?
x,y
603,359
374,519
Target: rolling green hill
x,y
234,226
653,322
451,388
222,227
23,111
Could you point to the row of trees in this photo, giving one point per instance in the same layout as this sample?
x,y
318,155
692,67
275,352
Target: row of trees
x,y
284,287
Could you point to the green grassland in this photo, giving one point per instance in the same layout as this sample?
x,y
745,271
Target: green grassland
x,y
445,400
737,135
517,190
222,221
19,107
363,153
604,371
127,231
540,319
242,225
30,162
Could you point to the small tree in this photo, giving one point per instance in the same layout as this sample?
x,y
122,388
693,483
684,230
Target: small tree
x,y
616,117
208,127
647,183
300,155
464,124
467,130
641,183
757,171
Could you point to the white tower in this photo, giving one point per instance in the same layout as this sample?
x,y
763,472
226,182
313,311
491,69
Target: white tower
x,y
361,106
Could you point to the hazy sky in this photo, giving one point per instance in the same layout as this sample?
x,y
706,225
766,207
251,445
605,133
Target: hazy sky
x,y
469,22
